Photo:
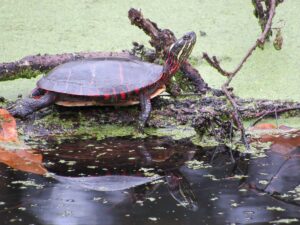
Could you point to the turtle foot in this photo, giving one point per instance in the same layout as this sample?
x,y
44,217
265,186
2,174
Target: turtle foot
x,y
27,106
20,109
140,128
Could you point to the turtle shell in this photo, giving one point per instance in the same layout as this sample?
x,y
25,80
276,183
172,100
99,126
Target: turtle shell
x,y
100,77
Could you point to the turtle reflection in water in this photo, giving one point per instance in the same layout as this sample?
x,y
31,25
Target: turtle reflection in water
x,y
118,171
122,164
107,81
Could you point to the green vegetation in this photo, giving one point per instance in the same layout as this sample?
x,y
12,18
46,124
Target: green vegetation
x,y
25,74
32,27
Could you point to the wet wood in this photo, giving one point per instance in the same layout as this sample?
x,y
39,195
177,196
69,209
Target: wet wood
x,y
209,115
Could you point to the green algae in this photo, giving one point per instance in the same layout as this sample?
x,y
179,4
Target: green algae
x,y
183,82
66,126
103,131
11,89
25,74
285,221
54,120
196,165
177,133
83,127
33,26
3,103
204,141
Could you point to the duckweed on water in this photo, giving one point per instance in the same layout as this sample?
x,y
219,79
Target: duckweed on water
x,y
103,131
28,183
195,164
83,127
284,221
102,30
24,74
270,208
177,133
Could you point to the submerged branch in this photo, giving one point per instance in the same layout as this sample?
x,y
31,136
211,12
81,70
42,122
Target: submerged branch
x,y
264,114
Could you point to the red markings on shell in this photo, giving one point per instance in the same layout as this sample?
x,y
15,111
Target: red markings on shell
x,y
106,97
123,95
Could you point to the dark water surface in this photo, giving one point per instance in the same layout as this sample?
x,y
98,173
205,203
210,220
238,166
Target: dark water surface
x,y
111,182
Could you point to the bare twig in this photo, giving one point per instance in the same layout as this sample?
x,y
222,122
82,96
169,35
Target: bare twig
x,y
263,36
214,63
261,40
262,13
276,111
236,116
161,39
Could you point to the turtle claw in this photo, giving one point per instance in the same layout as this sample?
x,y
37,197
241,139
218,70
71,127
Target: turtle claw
x,y
20,109
140,128
27,106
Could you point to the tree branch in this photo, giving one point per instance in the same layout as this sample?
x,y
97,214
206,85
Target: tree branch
x,y
215,64
161,40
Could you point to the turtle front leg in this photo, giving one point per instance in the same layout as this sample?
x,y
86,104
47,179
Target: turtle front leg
x,y
27,106
37,92
146,110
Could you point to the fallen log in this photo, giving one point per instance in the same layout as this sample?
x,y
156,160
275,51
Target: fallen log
x,y
46,62
208,116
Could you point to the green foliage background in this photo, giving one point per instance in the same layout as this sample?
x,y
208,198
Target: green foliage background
x,y
34,26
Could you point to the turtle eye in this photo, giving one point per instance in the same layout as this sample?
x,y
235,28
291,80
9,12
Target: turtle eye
x,y
186,37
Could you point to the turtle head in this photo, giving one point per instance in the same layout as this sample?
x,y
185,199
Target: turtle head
x,y
179,52
183,47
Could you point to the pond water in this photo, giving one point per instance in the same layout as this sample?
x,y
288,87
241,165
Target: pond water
x,y
149,181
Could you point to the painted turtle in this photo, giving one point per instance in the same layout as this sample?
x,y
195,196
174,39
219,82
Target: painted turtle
x,y
107,81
